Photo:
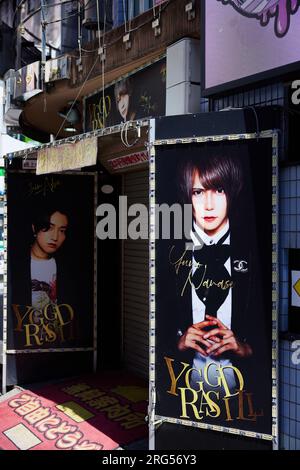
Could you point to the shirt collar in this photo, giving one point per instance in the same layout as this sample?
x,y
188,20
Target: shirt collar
x,y
206,239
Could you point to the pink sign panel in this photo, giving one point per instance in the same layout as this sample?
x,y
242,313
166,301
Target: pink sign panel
x,y
100,412
249,40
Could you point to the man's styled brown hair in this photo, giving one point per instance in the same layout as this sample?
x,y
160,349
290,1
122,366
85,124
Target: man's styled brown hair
x,y
215,171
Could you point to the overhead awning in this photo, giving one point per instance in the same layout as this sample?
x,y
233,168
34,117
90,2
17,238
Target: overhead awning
x,y
9,145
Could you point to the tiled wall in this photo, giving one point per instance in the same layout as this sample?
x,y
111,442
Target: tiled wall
x,y
289,217
289,372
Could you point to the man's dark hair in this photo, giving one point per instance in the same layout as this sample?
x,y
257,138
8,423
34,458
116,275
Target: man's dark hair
x,y
41,217
215,171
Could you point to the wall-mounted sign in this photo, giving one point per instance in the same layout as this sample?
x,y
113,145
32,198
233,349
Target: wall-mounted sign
x,y
120,163
295,288
29,163
67,157
247,41
27,82
294,291
140,95
212,285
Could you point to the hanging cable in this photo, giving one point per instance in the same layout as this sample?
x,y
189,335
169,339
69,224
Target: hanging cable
x,y
43,26
130,16
155,15
101,51
79,37
139,26
37,10
77,96
125,16
124,134
98,25
17,7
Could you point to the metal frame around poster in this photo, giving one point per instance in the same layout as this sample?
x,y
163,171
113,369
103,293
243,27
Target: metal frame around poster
x,y
154,419
5,284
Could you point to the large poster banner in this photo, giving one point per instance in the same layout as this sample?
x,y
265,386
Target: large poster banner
x,y
140,95
50,261
250,40
213,279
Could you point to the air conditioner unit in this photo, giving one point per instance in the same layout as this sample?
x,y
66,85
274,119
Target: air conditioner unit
x,y
183,93
11,110
58,69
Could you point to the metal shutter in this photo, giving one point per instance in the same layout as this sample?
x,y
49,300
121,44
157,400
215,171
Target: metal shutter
x,y
135,284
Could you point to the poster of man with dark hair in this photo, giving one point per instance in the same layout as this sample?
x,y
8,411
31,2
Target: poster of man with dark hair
x,y
50,262
140,95
214,287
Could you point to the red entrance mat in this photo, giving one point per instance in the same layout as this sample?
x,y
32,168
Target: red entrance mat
x,y
94,412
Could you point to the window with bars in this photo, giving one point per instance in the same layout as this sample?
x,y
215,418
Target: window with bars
x,y
136,7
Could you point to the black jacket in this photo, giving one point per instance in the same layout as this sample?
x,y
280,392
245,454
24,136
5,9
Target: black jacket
x,y
250,318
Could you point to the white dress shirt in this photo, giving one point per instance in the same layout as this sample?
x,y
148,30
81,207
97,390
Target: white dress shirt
x,y
224,313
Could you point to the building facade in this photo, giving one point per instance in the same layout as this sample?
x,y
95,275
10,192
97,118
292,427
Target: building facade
x,y
154,46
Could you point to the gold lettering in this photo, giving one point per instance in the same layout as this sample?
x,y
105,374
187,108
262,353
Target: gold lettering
x,y
224,381
250,405
33,334
51,335
20,319
191,403
206,372
214,410
227,409
187,378
174,380
60,316
180,262
241,408
52,310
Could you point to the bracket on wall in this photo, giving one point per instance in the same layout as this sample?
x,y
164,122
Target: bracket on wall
x,y
190,10
127,41
156,27
102,53
79,64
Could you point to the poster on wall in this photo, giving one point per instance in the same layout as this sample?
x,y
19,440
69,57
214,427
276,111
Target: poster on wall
x,y
50,261
247,41
213,284
140,95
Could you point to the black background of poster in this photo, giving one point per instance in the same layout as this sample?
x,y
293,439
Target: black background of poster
x,y
75,259
148,98
254,230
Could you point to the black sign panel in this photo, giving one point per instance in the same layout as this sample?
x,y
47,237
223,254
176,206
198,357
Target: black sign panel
x,y
213,286
140,95
50,261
